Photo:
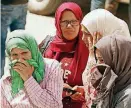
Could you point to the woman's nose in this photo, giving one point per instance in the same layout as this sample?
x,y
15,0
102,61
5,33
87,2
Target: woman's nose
x,y
69,25
20,57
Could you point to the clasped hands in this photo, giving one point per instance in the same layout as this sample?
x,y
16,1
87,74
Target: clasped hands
x,y
78,96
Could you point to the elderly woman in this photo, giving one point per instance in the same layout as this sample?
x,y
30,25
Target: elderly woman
x,y
67,47
30,81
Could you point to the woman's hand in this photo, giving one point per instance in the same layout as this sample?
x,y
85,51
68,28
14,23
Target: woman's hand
x,y
92,40
79,95
85,37
24,69
65,94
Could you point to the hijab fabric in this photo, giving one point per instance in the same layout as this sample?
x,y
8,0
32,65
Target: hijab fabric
x,y
60,44
101,20
115,74
23,40
115,51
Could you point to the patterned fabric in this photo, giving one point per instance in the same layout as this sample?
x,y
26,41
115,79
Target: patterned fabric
x,y
89,91
65,65
47,94
115,51
23,40
69,51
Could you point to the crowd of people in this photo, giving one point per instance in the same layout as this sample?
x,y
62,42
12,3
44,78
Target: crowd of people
x,y
87,64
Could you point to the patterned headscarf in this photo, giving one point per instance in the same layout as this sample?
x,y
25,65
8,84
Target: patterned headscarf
x,y
23,40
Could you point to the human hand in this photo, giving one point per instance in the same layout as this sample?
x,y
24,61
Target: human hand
x,y
85,37
67,86
65,93
92,40
24,69
79,95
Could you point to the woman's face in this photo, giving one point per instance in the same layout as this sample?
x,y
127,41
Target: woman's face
x,y
99,57
86,34
69,25
17,53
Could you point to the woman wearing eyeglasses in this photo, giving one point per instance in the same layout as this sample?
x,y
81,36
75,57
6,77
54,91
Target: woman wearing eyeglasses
x,y
67,47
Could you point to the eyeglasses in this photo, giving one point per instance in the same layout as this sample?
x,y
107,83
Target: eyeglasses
x,y
66,22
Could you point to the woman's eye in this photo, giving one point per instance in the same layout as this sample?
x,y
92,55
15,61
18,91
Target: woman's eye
x,y
24,52
14,55
101,60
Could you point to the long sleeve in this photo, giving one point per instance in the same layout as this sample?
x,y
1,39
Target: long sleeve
x,y
3,101
49,96
86,76
86,80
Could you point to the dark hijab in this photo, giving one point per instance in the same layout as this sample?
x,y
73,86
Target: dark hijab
x,y
116,52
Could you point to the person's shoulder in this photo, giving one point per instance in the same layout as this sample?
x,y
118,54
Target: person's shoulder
x,y
52,67
51,63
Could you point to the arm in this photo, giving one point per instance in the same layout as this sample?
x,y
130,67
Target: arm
x,y
86,80
3,101
49,96
90,41
86,76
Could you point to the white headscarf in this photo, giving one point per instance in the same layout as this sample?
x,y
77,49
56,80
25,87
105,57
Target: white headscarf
x,y
101,20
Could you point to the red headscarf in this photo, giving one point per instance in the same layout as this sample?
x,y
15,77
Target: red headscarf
x,y
60,44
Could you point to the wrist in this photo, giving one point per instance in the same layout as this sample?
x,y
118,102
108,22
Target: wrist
x,y
26,78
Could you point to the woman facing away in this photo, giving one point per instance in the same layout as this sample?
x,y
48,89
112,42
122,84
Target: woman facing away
x,y
109,84
67,47
97,24
101,20
100,23
29,81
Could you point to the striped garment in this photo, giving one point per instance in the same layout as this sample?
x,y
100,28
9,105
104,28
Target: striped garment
x,y
47,94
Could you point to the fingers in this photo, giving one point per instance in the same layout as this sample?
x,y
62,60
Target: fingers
x,y
24,69
75,88
96,37
85,39
67,86
78,96
99,36
18,69
90,41
21,65
24,62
